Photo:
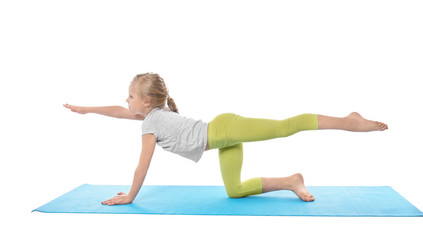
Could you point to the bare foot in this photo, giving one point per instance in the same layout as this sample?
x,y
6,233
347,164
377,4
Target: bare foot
x,y
299,188
360,124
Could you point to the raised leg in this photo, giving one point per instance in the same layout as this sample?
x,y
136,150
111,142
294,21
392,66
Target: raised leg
x,y
353,122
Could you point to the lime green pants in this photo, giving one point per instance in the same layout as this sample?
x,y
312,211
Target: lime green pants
x,y
228,131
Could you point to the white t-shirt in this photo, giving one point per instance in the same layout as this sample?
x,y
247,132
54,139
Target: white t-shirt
x,y
184,136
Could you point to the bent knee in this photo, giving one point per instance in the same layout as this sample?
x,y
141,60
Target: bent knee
x,y
235,193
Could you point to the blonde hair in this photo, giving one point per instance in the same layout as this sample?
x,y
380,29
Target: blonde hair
x,y
153,86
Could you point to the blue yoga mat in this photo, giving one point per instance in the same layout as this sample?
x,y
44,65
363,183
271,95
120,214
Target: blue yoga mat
x,y
212,200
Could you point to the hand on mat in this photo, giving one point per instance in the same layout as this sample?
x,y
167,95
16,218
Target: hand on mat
x,y
121,198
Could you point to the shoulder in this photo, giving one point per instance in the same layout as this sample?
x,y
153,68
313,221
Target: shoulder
x,y
161,113
148,125
154,119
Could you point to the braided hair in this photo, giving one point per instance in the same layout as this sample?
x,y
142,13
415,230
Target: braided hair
x,y
153,86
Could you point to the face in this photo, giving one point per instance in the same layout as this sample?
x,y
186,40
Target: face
x,y
137,104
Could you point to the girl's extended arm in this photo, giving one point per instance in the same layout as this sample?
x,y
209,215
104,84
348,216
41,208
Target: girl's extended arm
x,y
148,145
111,111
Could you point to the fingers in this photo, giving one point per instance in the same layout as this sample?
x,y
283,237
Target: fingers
x,y
110,202
76,109
120,199
72,108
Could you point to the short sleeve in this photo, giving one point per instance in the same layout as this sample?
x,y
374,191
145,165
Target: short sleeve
x,y
148,127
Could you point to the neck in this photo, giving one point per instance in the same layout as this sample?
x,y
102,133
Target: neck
x,y
147,111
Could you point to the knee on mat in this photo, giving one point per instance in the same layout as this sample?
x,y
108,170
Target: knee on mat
x,y
235,193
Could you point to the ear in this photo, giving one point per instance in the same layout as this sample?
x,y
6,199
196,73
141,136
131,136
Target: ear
x,y
147,101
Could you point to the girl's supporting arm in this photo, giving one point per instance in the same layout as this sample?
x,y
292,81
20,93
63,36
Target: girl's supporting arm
x,y
110,111
148,145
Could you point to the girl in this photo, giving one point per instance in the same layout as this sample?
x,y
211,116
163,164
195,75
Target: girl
x,y
189,138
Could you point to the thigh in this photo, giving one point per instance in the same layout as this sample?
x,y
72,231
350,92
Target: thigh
x,y
229,129
243,129
230,159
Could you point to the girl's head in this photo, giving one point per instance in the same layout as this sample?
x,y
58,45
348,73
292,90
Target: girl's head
x,y
151,88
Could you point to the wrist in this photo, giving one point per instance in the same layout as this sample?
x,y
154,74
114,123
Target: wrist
x,y
84,110
130,197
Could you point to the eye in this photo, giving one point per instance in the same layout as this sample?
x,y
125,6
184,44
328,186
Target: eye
x,y
130,97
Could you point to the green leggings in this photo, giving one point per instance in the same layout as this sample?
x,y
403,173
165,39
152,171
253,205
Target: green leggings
x,y
228,131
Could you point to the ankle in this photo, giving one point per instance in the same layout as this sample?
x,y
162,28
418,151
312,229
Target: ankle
x,y
349,124
275,184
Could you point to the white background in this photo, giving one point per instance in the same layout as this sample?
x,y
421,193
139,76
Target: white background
x,y
270,59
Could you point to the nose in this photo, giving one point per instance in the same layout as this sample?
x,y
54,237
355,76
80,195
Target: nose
x,y
127,99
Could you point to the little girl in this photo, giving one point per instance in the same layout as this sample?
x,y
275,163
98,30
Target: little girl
x,y
189,138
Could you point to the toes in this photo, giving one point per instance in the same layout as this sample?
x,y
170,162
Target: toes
x,y
381,126
307,197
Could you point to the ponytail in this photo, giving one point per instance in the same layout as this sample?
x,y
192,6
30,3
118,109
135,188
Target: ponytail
x,y
171,104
